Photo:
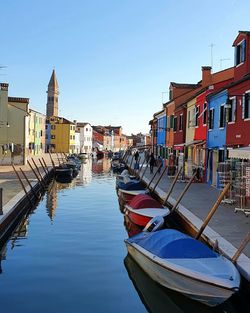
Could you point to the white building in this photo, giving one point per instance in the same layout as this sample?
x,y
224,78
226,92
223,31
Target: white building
x,y
77,142
86,134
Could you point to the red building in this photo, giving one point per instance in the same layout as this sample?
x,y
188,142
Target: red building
x,y
238,115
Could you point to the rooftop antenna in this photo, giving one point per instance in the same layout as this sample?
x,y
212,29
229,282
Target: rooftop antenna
x,y
221,60
211,47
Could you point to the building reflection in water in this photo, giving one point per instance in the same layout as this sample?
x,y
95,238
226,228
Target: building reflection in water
x,y
101,166
84,178
85,175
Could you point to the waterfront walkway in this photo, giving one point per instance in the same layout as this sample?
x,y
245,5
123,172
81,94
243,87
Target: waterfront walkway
x,y
227,227
9,181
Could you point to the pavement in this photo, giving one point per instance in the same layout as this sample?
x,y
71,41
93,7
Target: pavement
x,y
9,181
226,227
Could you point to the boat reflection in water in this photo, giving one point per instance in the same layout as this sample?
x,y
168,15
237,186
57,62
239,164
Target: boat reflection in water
x,y
131,228
158,299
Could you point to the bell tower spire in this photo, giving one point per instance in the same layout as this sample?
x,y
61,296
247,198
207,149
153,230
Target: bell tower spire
x,y
52,98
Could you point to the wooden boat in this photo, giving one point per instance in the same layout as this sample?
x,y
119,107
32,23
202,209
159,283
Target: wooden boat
x,y
186,265
142,208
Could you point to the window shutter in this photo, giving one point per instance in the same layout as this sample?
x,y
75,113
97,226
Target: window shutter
x,y
212,118
243,50
234,109
235,56
243,107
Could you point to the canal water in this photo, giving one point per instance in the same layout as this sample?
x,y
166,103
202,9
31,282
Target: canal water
x,y
69,256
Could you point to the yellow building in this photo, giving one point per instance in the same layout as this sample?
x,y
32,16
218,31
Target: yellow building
x,y
60,135
14,116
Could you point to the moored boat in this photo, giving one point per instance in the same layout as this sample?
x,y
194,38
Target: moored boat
x,y
63,174
186,265
142,208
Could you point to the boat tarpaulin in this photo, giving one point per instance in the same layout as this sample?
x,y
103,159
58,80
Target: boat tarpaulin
x,y
240,153
144,201
172,244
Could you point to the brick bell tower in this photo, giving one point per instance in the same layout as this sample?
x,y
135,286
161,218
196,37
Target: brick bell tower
x,y
52,98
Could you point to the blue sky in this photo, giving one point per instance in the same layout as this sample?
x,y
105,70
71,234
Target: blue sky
x,y
114,58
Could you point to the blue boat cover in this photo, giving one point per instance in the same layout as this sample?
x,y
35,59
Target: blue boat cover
x,y
130,185
172,244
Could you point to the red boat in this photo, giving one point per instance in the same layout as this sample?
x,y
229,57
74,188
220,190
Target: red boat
x,y
128,195
142,208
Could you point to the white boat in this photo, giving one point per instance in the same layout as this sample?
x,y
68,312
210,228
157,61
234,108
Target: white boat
x,y
186,265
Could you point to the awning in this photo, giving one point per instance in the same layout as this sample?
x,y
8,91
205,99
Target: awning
x,y
240,153
179,147
195,142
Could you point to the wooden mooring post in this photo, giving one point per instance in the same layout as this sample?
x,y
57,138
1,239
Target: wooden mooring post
x,y
183,192
172,186
40,182
31,187
141,166
159,179
52,161
241,247
22,184
37,168
145,170
45,172
45,165
156,172
212,211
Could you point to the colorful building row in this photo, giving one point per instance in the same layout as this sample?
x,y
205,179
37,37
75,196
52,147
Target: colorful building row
x,y
201,122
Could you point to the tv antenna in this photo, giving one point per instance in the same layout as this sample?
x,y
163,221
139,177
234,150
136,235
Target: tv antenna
x,y
221,60
211,47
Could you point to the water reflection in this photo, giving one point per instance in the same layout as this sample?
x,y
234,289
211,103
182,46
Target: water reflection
x,y
158,299
101,166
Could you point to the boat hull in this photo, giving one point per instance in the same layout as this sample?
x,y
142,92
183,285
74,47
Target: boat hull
x,y
201,291
142,216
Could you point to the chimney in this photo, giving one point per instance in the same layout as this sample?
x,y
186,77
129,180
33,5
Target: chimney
x,y
206,76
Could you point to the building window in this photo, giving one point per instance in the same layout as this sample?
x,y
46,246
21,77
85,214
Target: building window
x,y
53,137
86,129
175,123
46,126
197,112
211,119
53,127
170,94
205,113
70,136
221,155
222,116
231,110
181,122
240,51
46,136
246,106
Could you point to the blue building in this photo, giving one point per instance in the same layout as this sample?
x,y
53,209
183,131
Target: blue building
x,y
161,132
216,137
